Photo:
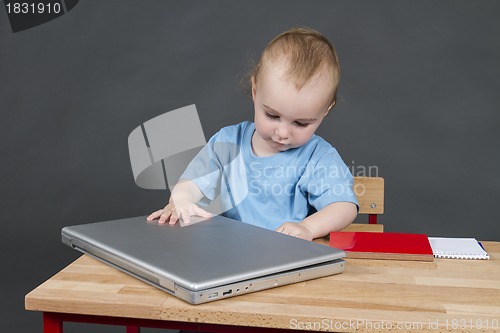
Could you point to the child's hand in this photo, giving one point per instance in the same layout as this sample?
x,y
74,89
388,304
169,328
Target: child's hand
x,y
296,229
181,204
180,210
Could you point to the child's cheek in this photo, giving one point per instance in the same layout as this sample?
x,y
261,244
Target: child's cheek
x,y
304,137
267,128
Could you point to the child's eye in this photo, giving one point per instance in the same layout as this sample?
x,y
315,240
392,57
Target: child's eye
x,y
299,124
272,116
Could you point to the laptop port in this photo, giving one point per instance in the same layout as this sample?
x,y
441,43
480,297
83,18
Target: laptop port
x,y
227,292
213,295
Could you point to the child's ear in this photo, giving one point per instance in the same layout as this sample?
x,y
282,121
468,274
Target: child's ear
x,y
254,87
329,108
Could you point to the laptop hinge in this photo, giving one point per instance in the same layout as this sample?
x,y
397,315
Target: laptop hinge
x,y
66,240
122,265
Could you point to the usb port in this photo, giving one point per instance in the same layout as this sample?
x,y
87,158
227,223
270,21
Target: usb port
x,y
213,295
227,292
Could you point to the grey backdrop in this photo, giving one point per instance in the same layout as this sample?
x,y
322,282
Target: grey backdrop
x,y
419,100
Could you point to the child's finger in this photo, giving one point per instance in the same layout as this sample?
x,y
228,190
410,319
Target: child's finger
x,y
286,229
282,228
154,215
165,216
201,212
174,216
185,216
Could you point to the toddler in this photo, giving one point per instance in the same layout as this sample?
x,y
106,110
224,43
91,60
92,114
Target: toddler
x,y
275,172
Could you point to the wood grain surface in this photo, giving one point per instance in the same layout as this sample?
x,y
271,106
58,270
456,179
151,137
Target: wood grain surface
x,y
371,295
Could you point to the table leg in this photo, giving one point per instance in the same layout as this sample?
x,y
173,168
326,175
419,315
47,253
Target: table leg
x,y
52,323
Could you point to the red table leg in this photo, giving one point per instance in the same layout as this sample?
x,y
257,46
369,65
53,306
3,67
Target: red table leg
x,y
372,218
52,323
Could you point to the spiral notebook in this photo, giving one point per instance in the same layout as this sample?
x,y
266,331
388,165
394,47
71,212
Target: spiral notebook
x,y
457,248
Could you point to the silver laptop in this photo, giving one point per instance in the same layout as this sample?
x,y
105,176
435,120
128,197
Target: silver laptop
x,y
206,261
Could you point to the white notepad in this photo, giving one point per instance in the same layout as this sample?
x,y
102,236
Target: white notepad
x,y
457,248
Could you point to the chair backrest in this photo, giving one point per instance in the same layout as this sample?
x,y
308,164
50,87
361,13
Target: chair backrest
x,y
370,194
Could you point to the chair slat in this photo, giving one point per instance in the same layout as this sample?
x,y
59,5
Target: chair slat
x,y
370,194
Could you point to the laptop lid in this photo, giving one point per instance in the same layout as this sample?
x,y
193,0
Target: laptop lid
x,y
202,258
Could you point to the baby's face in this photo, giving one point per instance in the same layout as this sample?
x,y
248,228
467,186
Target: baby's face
x,y
285,117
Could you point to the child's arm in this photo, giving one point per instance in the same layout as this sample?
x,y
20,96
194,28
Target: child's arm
x,y
182,204
336,216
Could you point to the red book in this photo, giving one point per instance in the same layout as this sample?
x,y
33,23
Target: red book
x,y
383,245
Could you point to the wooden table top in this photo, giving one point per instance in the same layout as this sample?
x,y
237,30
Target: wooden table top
x,y
371,295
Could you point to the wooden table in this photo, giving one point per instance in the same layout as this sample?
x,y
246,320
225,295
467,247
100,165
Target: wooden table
x,y
371,295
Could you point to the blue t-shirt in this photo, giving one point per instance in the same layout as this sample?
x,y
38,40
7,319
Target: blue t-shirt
x,y
268,191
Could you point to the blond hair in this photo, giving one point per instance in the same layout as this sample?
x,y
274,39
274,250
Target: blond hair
x,y
308,53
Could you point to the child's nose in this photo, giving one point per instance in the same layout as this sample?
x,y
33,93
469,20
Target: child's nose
x,y
283,131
